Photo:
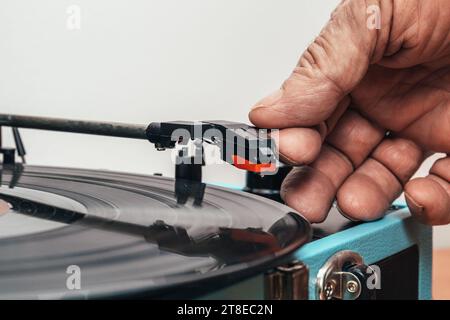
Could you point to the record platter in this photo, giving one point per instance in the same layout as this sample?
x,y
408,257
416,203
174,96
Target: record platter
x,y
90,234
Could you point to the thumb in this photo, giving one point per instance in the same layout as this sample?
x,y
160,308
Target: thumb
x,y
330,68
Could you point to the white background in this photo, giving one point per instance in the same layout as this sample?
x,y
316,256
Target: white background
x,y
147,60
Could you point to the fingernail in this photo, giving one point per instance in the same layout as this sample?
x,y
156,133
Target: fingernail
x,y
413,205
270,100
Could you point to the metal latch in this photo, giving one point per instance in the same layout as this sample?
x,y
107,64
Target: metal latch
x,y
336,281
288,282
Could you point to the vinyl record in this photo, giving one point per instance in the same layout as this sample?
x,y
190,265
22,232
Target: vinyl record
x,y
69,233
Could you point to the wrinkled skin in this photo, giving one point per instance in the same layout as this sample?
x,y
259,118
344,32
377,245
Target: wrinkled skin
x,y
364,108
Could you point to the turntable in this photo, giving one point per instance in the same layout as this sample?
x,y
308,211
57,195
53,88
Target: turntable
x,y
89,234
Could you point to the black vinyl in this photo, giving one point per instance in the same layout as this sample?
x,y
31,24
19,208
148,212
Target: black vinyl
x,y
131,235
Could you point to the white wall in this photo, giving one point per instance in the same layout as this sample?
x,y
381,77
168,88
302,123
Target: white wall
x,y
146,60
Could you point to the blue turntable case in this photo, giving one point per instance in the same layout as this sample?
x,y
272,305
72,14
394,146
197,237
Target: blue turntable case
x,y
398,243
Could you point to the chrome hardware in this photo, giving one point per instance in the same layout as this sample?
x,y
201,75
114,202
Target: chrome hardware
x,y
334,282
288,282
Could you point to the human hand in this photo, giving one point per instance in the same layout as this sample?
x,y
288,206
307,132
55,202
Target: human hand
x,y
364,107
